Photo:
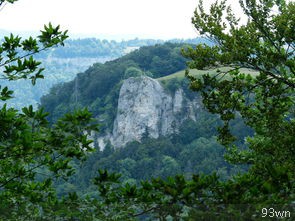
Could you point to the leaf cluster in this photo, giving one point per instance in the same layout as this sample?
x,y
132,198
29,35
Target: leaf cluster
x,y
16,55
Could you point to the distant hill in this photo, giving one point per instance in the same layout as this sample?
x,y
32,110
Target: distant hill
x,y
62,64
97,88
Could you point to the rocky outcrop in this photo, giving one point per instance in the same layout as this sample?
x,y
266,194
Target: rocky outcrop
x,y
146,109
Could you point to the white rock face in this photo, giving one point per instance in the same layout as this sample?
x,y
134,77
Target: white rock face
x,y
145,109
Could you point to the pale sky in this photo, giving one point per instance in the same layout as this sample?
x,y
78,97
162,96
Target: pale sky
x,y
113,19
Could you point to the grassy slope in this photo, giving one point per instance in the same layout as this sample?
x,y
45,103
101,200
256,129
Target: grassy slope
x,y
196,73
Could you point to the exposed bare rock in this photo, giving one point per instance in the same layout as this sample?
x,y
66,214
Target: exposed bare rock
x,y
146,109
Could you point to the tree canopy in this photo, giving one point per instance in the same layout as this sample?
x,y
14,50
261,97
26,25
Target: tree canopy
x,y
265,101
33,154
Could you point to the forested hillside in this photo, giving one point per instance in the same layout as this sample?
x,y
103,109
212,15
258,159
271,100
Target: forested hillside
x,y
62,64
193,149
98,87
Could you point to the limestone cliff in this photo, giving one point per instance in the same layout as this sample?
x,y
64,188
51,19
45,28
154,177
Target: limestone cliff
x,y
146,109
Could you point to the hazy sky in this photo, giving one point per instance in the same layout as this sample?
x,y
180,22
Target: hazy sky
x,y
117,19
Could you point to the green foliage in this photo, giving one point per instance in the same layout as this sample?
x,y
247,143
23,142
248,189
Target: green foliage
x,y
192,150
14,53
33,153
63,63
161,60
136,72
172,84
28,145
103,80
265,102
132,72
9,1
